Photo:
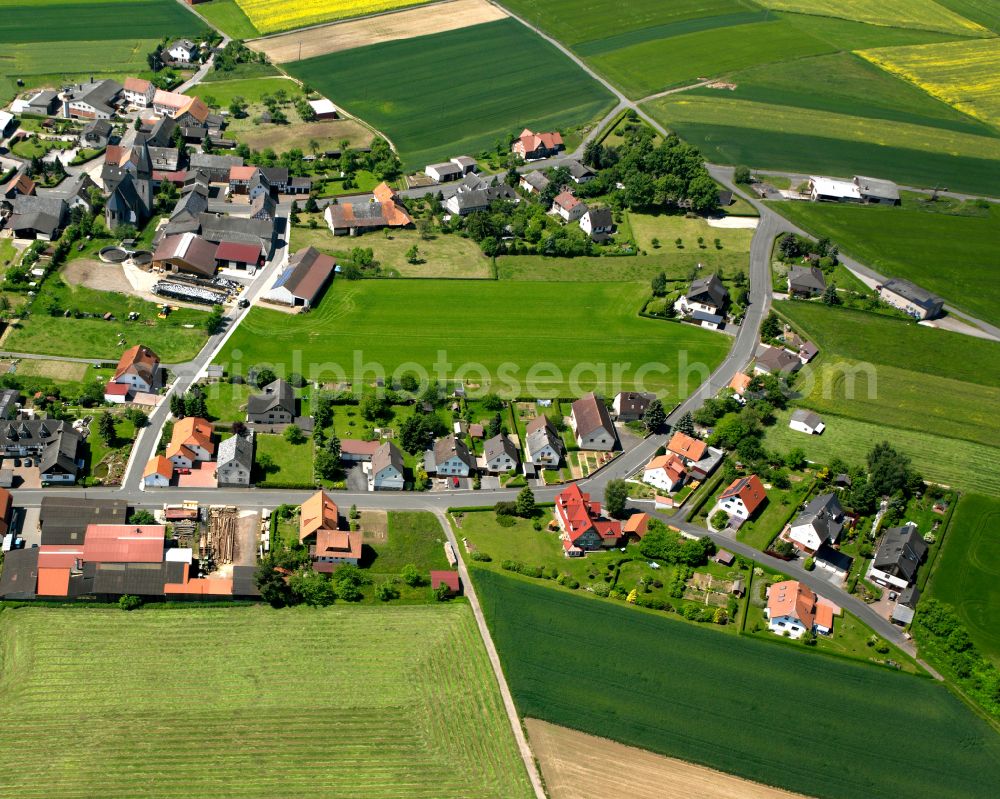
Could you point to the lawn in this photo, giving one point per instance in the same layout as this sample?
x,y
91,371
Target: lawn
x,y
962,464
776,136
175,339
292,464
444,255
227,402
272,16
301,702
782,504
714,247
535,339
413,537
951,254
675,263
694,694
429,116
965,573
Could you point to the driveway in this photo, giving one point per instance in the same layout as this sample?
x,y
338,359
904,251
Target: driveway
x,y
356,478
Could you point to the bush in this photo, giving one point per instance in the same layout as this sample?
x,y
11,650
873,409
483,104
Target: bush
x,y
482,557
506,521
809,564
386,591
129,602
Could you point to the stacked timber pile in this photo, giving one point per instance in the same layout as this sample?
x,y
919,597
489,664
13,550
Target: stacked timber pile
x,y
223,522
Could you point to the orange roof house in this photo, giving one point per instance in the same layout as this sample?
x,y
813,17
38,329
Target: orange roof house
x,y
193,434
158,466
743,497
319,512
691,449
740,383
793,609
636,525
334,547
139,368
537,145
384,210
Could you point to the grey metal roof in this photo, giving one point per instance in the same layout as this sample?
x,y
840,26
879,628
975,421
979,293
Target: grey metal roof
x,y
219,227
806,277
64,519
497,447
913,292
806,417
877,187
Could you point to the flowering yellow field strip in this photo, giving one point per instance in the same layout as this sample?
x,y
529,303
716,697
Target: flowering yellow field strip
x,y
964,74
271,16
919,14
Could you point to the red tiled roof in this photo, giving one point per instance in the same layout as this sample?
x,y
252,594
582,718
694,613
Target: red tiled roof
x,y
690,448
116,390
566,201
579,514
637,523
160,465
354,446
237,251
241,172
136,85
749,489
740,383
191,431
138,360
792,598
337,544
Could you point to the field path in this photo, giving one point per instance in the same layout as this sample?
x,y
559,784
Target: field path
x,y
491,651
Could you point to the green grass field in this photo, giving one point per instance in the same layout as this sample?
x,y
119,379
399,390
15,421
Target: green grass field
x,y
429,115
95,338
252,702
950,461
229,17
984,12
742,705
948,253
967,569
47,42
507,327
776,136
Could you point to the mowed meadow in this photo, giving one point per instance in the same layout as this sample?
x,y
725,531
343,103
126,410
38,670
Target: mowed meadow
x,y
740,705
45,40
510,79
253,703
540,330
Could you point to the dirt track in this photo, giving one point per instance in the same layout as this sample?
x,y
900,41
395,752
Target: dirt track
x,y
580,766
384,28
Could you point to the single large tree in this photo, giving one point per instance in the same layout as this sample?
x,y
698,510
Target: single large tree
x,y
655,418
686,424
525,503
615,497
106,428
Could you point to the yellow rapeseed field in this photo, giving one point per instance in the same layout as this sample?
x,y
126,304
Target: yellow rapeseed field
x,y
271,16
965,74
920,14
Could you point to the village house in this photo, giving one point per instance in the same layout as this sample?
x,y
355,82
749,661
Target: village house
x,y
319,528
776,360
568,207
138,369
689,449
706,295
583,527
500,455
54,444
190,442
533,182
183,51
917,302
354,450
665,472
384,209
276,404
578,173
138,92
805,421
820,522
740,384
806,281
793,610
543,445
235,461
532,146
450,457
598,223
742,497
95,134
475,193
158,472
301,283
592,425
630,406
387,471
41,218
94,100
898,557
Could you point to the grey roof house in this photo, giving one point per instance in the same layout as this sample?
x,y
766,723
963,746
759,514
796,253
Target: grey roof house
x,y
37,217
806,281
909,297
898,557
821,521
499,454
235,460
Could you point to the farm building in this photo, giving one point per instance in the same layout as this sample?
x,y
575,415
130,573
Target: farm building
x,y
384,209
186,252
592,425
323,109
532,146
808,422
917,302
447,578
303,280
239,255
